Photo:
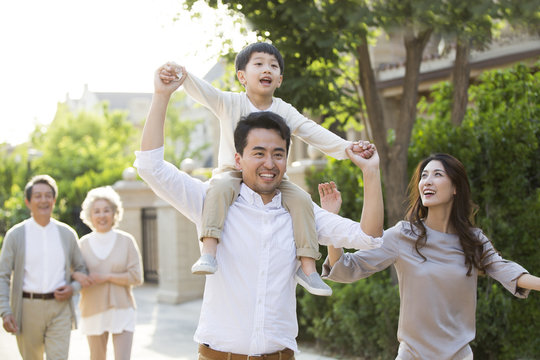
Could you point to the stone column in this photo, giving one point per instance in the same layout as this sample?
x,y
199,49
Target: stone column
x,y
135,196
178,250
178,245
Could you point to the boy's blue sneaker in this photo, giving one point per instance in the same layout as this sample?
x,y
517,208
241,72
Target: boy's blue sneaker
x,y
313,283
206,265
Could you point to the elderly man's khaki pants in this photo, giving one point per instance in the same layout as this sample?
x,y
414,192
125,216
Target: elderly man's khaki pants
x,y
46,327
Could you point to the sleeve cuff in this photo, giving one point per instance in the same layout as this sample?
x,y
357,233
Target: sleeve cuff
x,y
147,159
326,268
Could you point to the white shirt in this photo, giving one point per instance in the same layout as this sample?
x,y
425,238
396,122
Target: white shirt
x,y
249,304
253,108
102,243
44,262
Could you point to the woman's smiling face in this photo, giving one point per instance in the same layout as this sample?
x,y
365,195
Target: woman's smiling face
x,y
435,186
102,215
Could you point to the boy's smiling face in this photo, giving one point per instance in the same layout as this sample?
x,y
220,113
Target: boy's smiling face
x,y
262,75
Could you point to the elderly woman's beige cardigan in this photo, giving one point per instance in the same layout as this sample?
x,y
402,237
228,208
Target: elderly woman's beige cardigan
x,y
125,259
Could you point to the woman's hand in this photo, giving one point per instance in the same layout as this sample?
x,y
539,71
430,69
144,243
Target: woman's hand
x,y
99,278
82,279
364,155
331,202
330,197
528,281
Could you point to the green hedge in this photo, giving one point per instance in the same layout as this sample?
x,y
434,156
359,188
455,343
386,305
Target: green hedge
x,y
498,142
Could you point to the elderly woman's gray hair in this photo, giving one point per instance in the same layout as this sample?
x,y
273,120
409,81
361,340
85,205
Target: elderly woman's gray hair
x,y
102,193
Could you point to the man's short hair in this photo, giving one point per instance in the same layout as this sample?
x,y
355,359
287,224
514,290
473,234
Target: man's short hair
x,y
242,58
260,120
40,179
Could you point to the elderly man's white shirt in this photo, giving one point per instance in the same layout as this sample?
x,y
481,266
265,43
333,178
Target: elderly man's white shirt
x,y
249,304
44,263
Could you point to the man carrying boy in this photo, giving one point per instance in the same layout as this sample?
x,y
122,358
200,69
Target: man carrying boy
x,y
259,68
249,306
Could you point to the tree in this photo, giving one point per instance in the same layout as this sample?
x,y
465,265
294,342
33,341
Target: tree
x,y
82,151
14,164
329,70
179,132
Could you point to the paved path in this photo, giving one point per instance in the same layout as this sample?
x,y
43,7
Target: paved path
x,y
163,332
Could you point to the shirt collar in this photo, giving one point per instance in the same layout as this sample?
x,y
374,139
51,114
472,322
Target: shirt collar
x,y
255,109
253,198
35,224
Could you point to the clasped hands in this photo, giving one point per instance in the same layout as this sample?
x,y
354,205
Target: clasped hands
x,y
89,280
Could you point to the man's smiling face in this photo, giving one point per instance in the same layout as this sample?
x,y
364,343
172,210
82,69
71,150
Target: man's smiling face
x,y
263,162
41,203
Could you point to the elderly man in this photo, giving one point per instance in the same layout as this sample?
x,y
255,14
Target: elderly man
x,y
249,307
37,259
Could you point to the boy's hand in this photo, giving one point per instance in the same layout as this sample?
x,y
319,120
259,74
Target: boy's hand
x,y
171,71
330,197
172,82
363,148
367,158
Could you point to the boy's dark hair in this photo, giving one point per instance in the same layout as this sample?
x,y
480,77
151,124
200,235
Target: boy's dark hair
x,y
40,179
242,58
260,120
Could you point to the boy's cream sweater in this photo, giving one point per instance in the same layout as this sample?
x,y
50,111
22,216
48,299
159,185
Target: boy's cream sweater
x,y
229,107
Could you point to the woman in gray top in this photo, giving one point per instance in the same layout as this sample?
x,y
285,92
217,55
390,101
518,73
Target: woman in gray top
x,y
437,254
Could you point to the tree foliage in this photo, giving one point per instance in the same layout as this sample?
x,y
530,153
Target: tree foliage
x,y
179,131
359,319
14,166
80,151
329,69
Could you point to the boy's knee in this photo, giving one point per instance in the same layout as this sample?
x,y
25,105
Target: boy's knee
x,y
298,197
224,184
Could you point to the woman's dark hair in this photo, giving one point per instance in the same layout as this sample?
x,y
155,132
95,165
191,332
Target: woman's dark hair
x,y
461,215
242,58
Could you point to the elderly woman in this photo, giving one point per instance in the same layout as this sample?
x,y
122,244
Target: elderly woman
x,y
114,262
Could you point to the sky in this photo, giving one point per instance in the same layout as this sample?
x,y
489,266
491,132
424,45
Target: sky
x,y
53,48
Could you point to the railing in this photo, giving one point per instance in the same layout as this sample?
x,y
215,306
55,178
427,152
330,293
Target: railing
x,y
150,245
